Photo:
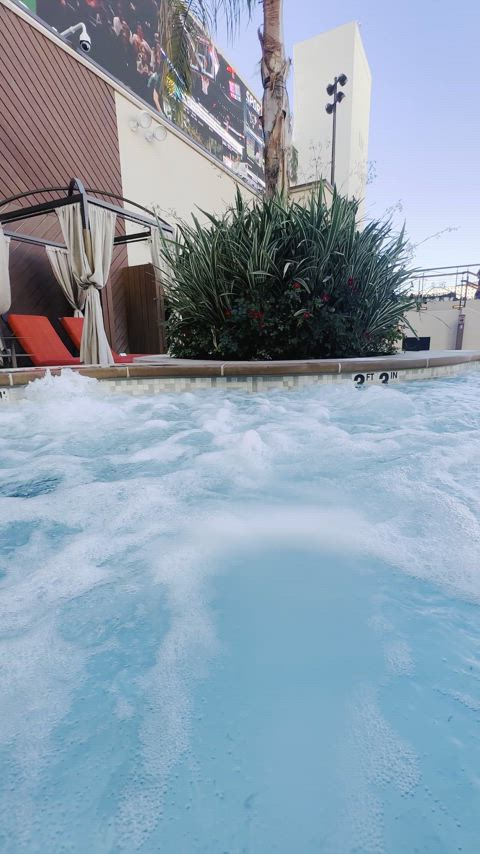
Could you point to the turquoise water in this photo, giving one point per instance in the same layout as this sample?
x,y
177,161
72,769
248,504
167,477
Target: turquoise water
x,y
234,623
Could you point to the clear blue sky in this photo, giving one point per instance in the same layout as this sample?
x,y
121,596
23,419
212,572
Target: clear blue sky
x,y
425,118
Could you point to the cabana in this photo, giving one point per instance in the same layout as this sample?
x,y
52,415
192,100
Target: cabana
x,y
81,264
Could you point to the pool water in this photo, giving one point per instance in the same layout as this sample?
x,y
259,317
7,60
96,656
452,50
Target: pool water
x,y
240,623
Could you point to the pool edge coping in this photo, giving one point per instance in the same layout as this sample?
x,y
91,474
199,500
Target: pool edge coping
x,y
145,369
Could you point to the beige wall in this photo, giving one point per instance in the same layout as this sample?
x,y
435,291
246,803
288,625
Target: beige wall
x,y
174,175
301,192
171,174
471,335
439,320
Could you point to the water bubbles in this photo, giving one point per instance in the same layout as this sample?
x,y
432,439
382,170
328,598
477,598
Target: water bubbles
x,y
125,521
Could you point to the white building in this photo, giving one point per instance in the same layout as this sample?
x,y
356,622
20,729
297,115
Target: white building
x,y
316,63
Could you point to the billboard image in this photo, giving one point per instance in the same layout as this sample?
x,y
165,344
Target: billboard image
x,y
219,112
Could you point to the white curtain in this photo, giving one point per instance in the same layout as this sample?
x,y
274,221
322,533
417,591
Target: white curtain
x,y
5,292
159,263
90,257
62,271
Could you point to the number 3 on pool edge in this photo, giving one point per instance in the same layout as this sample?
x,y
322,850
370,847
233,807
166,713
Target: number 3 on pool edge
x,y
359,379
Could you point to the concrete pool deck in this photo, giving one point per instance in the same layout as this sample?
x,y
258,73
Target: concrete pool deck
x,y
152,374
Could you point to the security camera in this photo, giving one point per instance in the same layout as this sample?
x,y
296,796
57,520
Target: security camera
x,y
84,39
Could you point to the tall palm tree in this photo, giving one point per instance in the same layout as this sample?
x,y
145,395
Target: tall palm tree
x,y
176,30
276,119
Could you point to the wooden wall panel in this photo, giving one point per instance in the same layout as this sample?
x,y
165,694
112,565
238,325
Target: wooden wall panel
x,y
146,310
57,121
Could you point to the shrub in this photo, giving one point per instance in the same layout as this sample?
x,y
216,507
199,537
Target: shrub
x,y
274,280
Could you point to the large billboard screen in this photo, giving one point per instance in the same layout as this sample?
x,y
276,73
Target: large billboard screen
x,y
219,112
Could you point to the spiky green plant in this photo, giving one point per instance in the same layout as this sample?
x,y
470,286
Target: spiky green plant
x,y
279,280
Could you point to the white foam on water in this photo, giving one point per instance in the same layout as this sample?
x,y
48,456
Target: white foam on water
x,y
372,757
181,661
39,675
29,671
398,656
93,485
380,624
304,527
471,703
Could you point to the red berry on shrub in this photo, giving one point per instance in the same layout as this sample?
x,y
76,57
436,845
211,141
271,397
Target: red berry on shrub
x,y
326,297
307,314
296,285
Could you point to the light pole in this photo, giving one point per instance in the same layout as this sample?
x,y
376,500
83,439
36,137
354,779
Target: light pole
x,y
332,89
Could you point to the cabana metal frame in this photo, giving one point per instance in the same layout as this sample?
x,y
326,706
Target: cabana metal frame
x,y
76,192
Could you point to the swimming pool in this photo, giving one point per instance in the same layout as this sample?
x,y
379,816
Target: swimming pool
x,y
240,623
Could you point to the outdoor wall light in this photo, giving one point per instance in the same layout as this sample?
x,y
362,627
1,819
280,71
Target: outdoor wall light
x,y
331,108
145,120
144,123
160,133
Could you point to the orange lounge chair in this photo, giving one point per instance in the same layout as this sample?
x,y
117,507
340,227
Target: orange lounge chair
x,y
73,326
38,339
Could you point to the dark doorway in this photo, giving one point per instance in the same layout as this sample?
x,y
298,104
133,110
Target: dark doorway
x,y
413,345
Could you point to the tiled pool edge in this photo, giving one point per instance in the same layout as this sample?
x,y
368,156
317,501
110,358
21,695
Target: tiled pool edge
x,y
181,376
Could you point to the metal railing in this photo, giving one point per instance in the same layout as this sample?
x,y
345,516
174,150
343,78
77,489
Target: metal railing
x,y
456,283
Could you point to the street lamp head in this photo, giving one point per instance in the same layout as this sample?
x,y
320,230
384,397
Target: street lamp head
x,y
330,89
343,79
339,97
329,109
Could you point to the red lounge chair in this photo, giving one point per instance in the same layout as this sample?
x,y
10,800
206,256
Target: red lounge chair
x,y
39,340
73,326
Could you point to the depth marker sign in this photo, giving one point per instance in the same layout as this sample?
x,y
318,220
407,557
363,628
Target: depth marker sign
x,y
382,377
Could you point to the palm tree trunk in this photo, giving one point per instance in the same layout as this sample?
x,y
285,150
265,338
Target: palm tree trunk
x,y
275,68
